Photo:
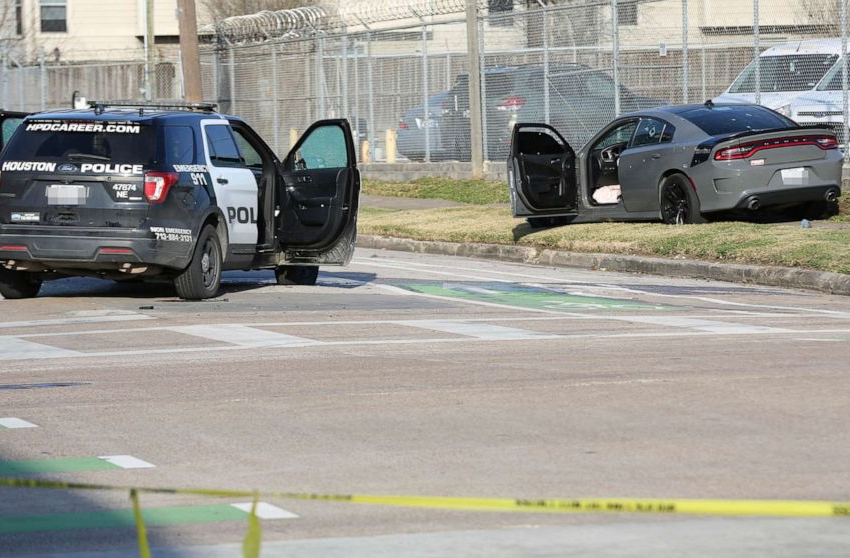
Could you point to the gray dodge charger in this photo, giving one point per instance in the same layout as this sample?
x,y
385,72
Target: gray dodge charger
x,y
675,164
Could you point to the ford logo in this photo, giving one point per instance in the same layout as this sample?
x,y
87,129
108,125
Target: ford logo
x,y
67,167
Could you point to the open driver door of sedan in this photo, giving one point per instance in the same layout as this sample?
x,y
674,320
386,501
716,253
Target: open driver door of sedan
x,y
541,172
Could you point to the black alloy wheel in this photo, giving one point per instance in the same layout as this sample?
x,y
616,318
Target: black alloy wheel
x,y
679,204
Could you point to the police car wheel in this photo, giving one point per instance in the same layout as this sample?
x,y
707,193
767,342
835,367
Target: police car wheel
x,y
203,276
18,284
296,274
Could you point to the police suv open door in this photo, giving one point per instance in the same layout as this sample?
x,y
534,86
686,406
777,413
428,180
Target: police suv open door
x,y
541,172
320,191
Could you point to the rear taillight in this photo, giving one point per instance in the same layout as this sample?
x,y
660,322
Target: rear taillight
x,y
157,185
745,150
402,125
511,103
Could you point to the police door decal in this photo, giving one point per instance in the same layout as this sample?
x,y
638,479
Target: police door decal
x,y
234,184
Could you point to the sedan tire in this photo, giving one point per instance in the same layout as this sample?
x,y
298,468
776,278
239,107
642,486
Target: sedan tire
x,y
679,202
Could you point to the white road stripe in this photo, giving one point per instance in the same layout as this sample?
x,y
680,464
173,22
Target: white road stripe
x,y
14,422
712,326
77,320
14,348
266,510
244,336
479,330
127,461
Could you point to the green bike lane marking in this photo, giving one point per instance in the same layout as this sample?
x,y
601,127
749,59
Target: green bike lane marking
x,y
112,519
528,297
71,465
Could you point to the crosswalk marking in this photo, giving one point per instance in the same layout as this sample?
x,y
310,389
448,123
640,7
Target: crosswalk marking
x,y
479,330
14,422
127,461
711,326
244,336
15,348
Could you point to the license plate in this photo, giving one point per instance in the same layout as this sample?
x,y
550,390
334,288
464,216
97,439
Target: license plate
x,y
797,175
66,194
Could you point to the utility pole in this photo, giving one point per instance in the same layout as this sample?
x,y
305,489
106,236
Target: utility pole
x,y
475,116
191,62
150,78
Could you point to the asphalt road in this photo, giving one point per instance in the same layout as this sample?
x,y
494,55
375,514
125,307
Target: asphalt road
x,y
424,375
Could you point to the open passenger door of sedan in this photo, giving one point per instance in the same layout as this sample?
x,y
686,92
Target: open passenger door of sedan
x,y
541,171
319,193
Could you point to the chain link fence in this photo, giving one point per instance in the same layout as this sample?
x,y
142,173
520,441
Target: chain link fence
x,y
401,75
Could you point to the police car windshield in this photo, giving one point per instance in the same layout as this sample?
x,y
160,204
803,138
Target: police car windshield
x,y
70,141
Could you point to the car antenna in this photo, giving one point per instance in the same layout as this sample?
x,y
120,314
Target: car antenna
x,y
709,103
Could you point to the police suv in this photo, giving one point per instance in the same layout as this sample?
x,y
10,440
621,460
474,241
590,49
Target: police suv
x,y
174,191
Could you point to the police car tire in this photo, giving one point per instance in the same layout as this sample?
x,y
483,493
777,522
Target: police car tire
x,y
296,274
196,282
18,284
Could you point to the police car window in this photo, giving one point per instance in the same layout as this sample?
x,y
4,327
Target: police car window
x,y
249,154
179,145
68,141
650,132
9,127
223,150
620,134
324,148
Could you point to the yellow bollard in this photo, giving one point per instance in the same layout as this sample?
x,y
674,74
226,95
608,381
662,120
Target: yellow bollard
x,y
364,151
391,141
293,137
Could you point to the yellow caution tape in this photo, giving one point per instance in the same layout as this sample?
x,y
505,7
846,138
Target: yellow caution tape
x,y
767,508
141,531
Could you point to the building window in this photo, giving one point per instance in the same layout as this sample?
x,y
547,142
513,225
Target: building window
x,y
19,19
53,15
627,14
500,12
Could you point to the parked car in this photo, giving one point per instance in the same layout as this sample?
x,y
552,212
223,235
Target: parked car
x,y
581,100
787,71
175,192
673,163
824,105
411,130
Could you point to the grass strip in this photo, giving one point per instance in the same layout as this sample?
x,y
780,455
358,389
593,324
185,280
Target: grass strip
x,y
476,192
816,248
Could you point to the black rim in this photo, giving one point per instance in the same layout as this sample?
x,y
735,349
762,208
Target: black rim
x,y
209,264
674,204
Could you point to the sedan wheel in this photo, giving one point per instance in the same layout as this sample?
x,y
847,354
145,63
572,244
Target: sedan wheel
x,y
679,204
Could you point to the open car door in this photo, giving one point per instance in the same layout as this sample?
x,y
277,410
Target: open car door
x,y
319,195
541,172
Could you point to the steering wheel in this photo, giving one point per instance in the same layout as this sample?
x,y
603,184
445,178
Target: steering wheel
x,y
611,153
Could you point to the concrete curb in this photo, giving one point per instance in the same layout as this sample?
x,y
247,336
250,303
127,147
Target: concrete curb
x,y
835,283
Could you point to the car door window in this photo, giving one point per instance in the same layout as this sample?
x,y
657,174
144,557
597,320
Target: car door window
x,y
9,127
249,154
222,148
324,148
620,134
650,131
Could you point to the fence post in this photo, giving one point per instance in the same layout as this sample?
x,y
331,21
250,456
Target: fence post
x,y
43,78
615,55
546,64
475,68
232,82
757,49
20,87
844,78
685,22
483,80
320,76
4,76
344,92
275,115
426,120
371,88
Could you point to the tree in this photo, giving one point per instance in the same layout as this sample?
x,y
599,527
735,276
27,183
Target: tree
x,y
217,10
